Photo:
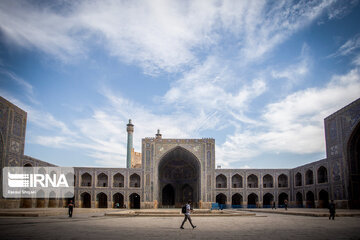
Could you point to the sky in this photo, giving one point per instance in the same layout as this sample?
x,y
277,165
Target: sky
x,y
257,76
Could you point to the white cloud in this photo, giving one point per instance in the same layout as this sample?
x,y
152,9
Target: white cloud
x,y
103,134
339,10
213,87
33,27
157,35
294,74
39,118
27,87
349,47
294,124
268,24
187,38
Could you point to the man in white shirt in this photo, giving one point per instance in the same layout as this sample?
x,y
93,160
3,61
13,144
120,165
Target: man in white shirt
x,y
187,215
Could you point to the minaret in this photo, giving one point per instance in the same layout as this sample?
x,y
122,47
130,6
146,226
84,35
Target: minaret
x,y
158,135
130,130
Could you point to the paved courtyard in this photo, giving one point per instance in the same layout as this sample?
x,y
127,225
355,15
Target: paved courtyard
x,y
262,226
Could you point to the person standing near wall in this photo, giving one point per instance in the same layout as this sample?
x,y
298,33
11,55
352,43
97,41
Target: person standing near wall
x,y
332,210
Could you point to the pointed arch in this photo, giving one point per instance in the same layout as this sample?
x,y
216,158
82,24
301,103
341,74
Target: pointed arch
x,y
268,181
237,181
221,181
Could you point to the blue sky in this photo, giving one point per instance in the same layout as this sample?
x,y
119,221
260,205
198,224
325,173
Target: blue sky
x,y
258,76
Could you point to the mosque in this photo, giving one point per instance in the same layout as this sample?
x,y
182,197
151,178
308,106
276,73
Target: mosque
x,y
169,172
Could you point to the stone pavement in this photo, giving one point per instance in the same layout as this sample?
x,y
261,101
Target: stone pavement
x,y
314,212
93,225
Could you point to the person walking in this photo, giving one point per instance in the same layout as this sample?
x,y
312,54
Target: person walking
x,y
273,205
286,204
187,215
332,210
71,208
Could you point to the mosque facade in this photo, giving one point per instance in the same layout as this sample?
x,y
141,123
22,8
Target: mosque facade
x,y
169,172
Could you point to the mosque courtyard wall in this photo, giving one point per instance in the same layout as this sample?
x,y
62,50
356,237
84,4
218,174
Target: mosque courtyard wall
x,y
156,184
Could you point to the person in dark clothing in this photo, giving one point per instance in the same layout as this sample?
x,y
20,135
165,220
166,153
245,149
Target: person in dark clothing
x,y
273,205
332,210
286,204
187,216
71,208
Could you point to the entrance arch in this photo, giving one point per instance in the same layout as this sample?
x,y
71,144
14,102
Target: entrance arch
x,y
101,200
353,161
221,198
282,198
267,200
253,200
299,200
310,199
118,200
52,200
134,201
179,169
168,196
40,199
26,202
236,200
323,199
85,200
298,180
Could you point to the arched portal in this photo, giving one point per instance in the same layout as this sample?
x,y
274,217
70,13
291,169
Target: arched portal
x,y
282,181
85,200
26,202
221,181
181,169
267,200
118,200
221,198
236,200
236,181
168,196
252,181
310,199
118,180
52,200
299,200
252,200
40,199
268,181
298,180
353,161
282,198
134,201
86,180
322,175
102,180
135,180
323,199
101,200
309,177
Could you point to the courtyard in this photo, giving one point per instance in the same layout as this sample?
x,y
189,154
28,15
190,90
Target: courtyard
x,y
263,225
